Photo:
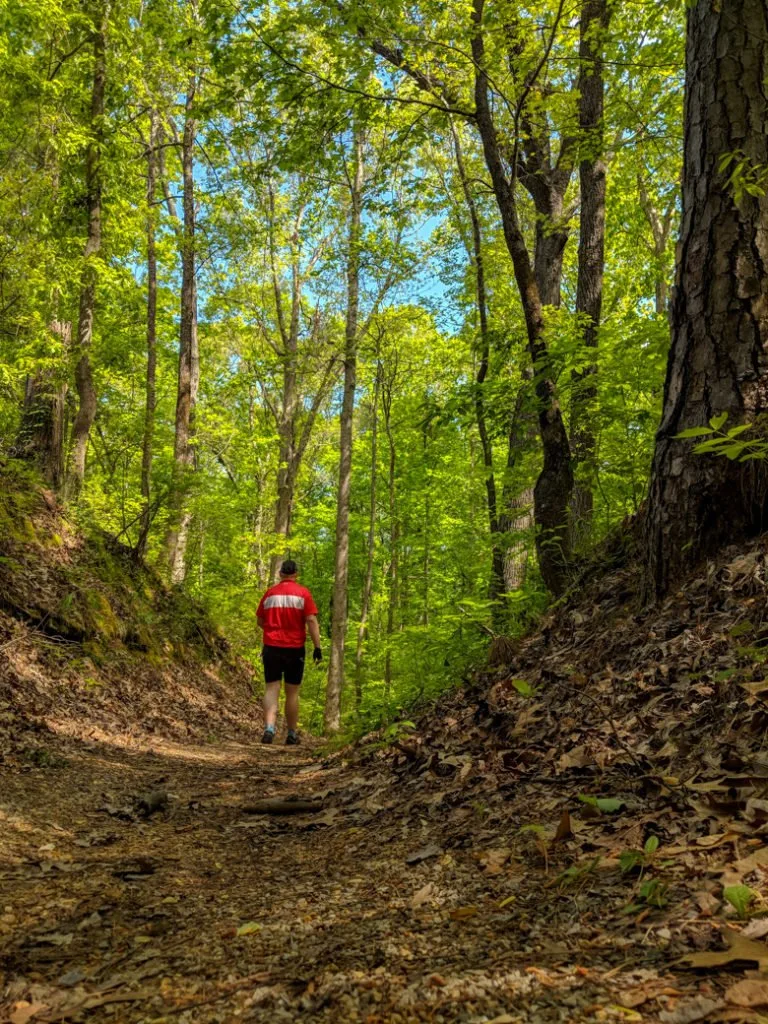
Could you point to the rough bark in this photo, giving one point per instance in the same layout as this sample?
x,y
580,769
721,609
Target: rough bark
x,y
553,488
719,311
86,391
335,682
365,603
151,398
595,16
189,358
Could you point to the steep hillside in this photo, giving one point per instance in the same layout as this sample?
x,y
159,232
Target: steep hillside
x,y
93,644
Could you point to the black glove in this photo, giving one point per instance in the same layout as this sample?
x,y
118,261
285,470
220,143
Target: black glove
x,y
317,655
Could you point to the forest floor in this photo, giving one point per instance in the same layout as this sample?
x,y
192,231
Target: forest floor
x,y
386,906
579,834
468,872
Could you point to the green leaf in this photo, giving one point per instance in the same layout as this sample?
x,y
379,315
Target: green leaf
x,y
607,804
523,687
693,432
610,805
717,422
651,845
740,897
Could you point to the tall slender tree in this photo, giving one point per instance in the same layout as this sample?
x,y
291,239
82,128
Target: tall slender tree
x,y
151,382
189,355
339,614
86,391
595,15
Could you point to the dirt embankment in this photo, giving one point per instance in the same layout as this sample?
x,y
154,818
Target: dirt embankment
x,y
93,644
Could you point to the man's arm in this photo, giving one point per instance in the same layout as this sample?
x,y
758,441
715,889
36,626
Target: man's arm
x,y
314,630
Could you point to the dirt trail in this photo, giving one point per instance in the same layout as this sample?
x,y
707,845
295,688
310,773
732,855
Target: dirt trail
x,y
366,911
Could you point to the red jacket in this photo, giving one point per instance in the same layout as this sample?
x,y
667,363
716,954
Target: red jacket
x,y
283,613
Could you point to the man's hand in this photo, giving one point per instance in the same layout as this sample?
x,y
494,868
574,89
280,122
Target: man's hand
x,y
317,656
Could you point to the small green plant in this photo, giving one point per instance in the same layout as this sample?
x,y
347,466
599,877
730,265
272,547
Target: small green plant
x,y
741,898
604,804
524,688
631,859
398,731
577,873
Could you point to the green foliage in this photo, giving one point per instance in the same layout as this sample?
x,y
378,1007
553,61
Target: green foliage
x,y
606,805
741,898
729,443
279,87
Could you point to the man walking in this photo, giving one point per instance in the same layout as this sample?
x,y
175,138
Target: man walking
x,y
285,613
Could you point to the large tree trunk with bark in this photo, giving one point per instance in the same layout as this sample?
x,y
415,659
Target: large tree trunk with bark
x,y
591,260
189,358
719,312
341,574
86,392
151,398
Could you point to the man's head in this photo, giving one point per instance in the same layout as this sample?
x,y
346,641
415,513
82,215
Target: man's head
x,y
288,569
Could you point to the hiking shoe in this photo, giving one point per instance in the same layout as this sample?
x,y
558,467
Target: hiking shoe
x,y
292,738
268,736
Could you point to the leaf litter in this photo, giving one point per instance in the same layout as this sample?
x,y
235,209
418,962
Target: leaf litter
x,y
590,846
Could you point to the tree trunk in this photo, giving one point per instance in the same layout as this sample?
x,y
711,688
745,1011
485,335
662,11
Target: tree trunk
x,y
341,574
41,433
365,604
591,261
553,488
150,404
189,359
661,226
719,312
86,392
516,519
394,540
496,582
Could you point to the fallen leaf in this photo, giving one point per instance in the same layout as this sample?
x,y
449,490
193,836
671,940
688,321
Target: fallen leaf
x,y
739,948
54,939
461,913
493,861
564,830
425,853
756,929
722,837
688,1011
749,992
423,895
249,928
24,1011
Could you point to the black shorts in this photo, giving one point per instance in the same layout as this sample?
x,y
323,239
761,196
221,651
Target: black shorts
x,y
283,663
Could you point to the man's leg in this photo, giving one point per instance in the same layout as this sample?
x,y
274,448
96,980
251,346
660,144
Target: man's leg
x,y
292,706
271,700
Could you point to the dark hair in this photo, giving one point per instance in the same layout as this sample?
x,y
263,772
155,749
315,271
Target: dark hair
x,y
289,568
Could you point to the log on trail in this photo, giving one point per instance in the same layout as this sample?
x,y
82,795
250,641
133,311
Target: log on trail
x,y
278,806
